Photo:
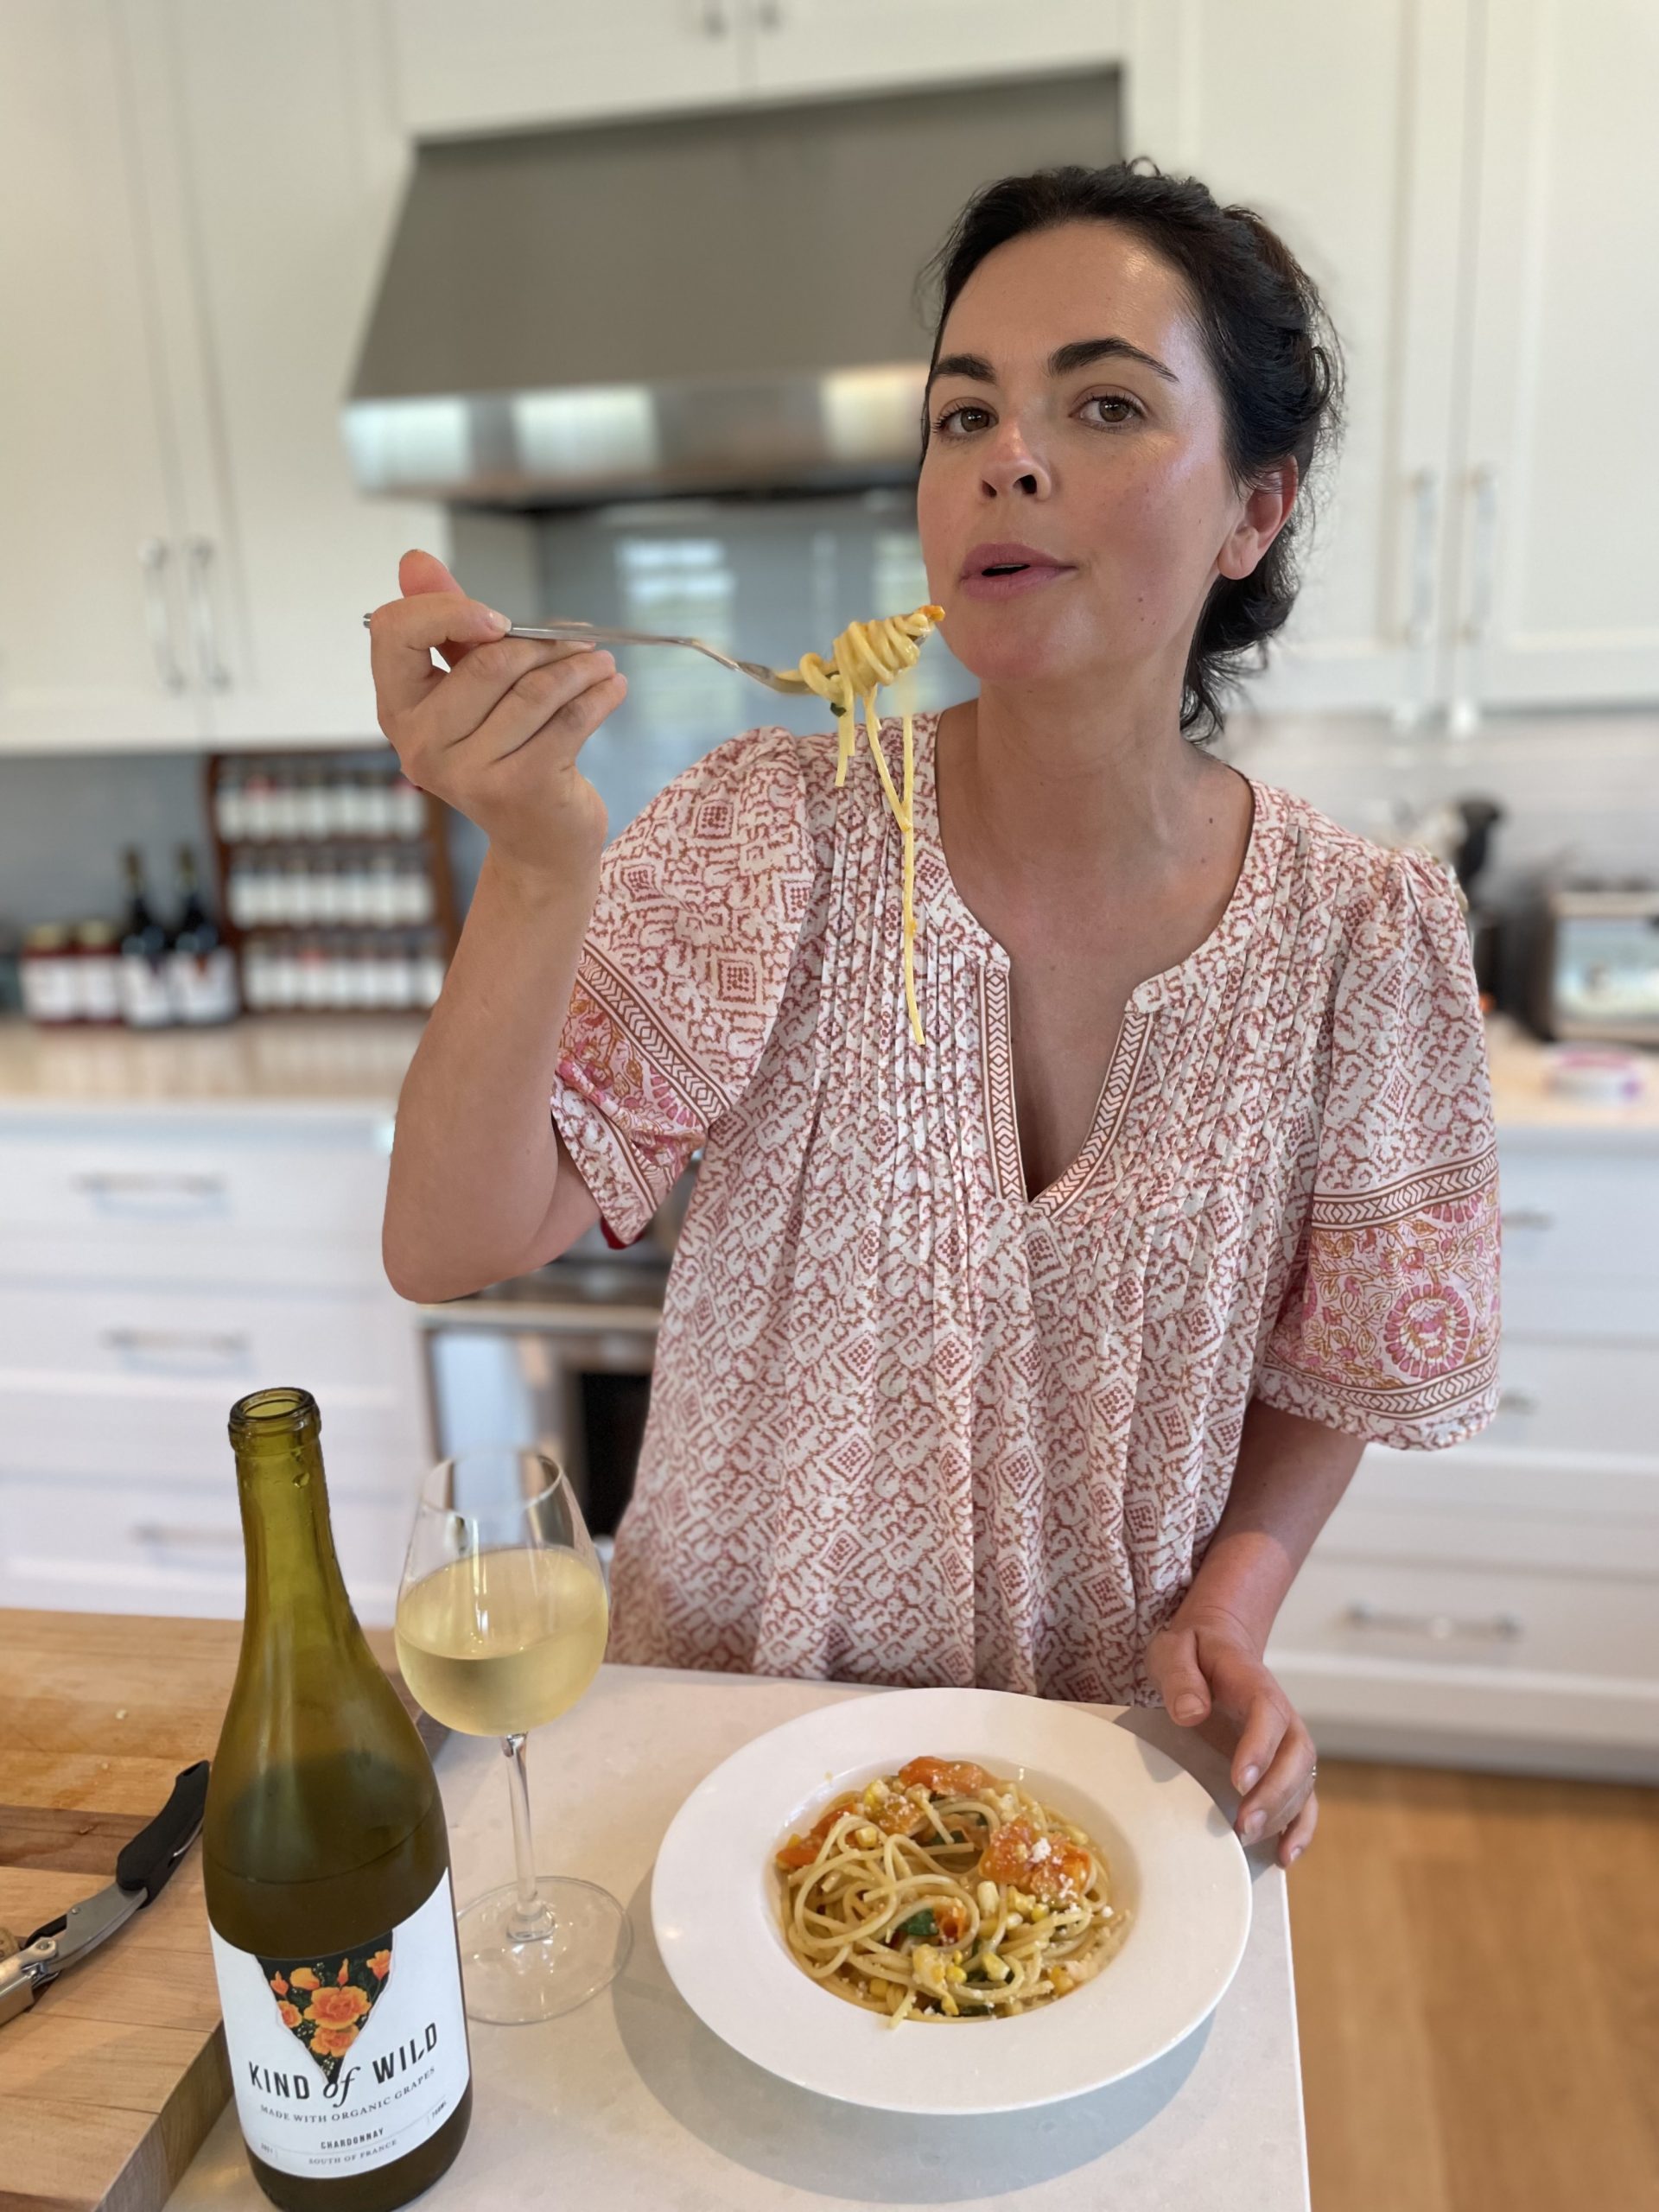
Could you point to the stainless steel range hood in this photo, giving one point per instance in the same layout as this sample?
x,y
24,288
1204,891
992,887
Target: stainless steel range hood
x,y
696,303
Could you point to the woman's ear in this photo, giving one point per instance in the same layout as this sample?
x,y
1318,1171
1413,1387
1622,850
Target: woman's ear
x,y
1265,513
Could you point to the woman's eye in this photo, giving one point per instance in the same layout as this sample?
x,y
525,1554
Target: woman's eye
x,y
1110,399
966,416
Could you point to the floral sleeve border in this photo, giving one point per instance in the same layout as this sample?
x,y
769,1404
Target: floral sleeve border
x,y
1394,1332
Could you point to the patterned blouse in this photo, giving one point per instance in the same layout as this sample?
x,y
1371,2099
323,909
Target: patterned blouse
x,y
909,1426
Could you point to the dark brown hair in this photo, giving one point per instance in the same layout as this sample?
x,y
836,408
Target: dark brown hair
x,y
1270,343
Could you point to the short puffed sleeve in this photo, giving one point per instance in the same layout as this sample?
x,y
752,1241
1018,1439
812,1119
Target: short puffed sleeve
x,y
1389,1329
682,970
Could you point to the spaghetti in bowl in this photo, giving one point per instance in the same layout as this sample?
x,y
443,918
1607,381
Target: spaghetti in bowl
x,y
1174,1870
946,1892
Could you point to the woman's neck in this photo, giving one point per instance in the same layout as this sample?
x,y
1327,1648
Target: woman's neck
x,y
1065,786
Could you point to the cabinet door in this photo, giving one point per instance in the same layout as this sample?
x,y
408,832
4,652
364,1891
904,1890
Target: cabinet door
x,y
1557,601
276,170
505,65
1343,132
804,48
92,644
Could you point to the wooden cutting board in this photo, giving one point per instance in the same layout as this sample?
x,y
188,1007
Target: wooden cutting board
x,y
109,2081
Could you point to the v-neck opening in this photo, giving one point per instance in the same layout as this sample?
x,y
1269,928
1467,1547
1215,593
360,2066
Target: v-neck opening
x,y
1118,1087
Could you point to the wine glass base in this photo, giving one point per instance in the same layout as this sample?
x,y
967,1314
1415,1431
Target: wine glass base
x,y
513,1978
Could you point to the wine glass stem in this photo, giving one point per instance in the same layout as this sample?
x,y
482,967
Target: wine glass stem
x,y
534,1917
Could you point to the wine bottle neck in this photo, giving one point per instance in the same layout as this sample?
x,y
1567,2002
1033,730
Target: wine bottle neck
x,y
298,1611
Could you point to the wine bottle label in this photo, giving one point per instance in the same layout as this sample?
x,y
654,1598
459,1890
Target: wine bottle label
x,y
349,2059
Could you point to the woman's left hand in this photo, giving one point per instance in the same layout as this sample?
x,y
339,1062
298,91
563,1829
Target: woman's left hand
x,y
1209,1669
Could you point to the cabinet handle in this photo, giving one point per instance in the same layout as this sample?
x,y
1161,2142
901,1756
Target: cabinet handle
x,y
181,1538
769,15
230,1345
713,21
198,560
1518,1401
1527,1217
1482,488
158,620
1496,1627
117,1186
1426,498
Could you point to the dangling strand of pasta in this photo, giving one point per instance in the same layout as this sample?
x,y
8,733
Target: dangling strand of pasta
x,y
866,655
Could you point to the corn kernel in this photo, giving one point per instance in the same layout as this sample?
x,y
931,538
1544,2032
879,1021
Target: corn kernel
x,y
947,2003
867,1838
986,1897
1061,1980
956,1973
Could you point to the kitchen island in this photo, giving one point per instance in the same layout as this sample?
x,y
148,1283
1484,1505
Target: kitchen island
x,y
630,2102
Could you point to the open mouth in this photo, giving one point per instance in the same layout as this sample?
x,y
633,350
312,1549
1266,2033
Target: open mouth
x,y
995,571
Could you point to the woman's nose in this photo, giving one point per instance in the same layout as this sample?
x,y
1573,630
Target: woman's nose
x,y
1012,467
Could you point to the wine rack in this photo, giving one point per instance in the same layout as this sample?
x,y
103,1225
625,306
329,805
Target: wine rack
x,y
332,879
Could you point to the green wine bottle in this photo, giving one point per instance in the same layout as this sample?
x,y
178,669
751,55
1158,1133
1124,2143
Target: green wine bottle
x,y
326,1861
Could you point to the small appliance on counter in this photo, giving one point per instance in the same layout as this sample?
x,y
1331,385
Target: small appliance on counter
x,y
1595,964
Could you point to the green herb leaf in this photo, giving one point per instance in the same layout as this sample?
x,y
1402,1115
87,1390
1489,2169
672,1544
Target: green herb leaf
x,y
922,1925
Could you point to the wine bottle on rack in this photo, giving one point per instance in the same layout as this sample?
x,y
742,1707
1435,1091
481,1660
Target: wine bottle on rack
x,y
326,1862
201,968
146,1000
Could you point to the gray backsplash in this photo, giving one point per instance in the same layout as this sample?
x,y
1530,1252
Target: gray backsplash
x,y
65,819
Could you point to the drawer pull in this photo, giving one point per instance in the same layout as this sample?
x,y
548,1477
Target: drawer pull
x,y
178,1537
1496,1627
1518,1401
1527,1217
159,1342
151,1197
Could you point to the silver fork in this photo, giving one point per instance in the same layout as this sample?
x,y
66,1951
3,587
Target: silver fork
x,y
775,679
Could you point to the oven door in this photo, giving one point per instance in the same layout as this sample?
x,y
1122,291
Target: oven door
x,y
572,1379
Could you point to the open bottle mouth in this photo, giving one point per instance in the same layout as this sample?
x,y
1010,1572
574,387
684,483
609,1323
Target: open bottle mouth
x,y
281,1411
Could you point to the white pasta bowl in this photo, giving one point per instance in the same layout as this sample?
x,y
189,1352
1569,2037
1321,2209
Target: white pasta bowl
x,y
1174,1863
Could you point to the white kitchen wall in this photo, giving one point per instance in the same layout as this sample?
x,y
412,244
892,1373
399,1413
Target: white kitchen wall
x,y
1581,793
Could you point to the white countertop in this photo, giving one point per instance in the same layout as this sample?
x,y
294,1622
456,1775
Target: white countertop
x,y
630,2103
360,1059
276,1059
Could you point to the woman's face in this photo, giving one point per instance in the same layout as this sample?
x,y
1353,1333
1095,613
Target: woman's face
x,y
1051,445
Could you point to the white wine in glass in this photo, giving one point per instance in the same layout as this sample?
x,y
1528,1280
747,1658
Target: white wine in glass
x,y
501,1624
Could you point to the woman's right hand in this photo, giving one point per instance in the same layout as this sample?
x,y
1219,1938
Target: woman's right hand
x,y
497,736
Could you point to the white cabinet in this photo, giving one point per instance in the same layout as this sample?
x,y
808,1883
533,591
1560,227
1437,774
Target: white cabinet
x,y
811,48
1559,453
92,632
183,555
1345,136
266,136
1498,1603
503,65
155,1266
1470,189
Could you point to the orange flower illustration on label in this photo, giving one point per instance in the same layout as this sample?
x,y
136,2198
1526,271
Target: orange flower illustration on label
x,y
325,2002
338,2008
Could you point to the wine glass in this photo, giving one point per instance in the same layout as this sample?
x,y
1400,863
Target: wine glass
x,y
501,1620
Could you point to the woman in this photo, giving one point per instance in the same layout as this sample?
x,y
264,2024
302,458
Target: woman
x,y
1037,1354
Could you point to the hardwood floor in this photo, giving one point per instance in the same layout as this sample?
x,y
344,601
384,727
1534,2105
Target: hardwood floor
x,y
1477,1981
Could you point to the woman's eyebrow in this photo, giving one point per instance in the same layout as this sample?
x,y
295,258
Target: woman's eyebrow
x,y
1082,351
1076,355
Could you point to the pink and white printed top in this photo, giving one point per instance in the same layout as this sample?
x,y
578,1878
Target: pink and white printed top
x,y
907,1425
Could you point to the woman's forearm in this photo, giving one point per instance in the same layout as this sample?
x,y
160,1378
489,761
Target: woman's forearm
x,y
475,1159
1289,1477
